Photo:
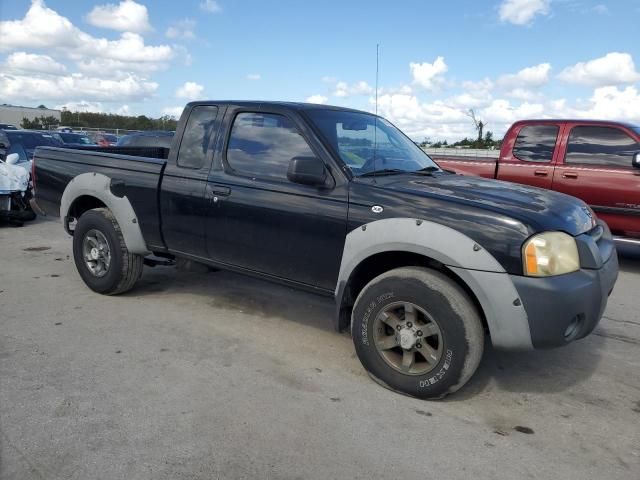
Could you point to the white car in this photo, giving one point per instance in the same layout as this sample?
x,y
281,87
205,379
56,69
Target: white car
x,y
15,190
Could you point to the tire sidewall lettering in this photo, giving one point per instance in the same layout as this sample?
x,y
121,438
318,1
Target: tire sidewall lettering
x,y
364,325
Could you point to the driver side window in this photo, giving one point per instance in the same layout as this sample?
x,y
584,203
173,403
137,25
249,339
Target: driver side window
x,y
263,144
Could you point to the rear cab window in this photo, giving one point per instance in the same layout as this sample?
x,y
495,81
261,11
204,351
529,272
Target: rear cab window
x,y
263,144
600,145
198,133
536,143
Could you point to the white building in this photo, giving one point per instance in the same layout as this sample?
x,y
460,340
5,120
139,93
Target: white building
x,y
13,114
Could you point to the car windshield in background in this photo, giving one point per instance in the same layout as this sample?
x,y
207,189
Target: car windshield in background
x,y
25,143
367,143
75,138
161,139
110,138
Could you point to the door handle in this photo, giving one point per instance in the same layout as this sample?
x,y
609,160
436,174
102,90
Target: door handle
x,y
541,173
217,190
569,175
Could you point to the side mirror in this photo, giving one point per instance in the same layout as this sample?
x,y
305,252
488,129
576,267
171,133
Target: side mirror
x,y
12,159
636,160
307,171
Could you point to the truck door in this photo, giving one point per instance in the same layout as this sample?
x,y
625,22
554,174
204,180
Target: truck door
x,y
261,221
530,160
183,205
597,168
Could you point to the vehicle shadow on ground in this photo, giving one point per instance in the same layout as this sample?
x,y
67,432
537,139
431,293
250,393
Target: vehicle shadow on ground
x,y
629,258
538,371
231,291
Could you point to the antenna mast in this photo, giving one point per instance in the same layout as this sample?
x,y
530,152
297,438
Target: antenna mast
x,y
377,70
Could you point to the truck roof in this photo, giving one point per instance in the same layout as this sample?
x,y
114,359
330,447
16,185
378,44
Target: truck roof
x,y
261,103
577,120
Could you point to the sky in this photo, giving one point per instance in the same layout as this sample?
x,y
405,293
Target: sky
x,y
505,59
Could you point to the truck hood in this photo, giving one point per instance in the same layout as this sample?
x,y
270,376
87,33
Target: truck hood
x,y
540,209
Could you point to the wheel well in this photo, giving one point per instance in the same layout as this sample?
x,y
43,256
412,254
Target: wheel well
x,y
379,263
82,204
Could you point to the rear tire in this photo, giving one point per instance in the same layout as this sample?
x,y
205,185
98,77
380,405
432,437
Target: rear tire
x,y
101,255
417,332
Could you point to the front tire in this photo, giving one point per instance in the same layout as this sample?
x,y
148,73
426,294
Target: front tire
x,y
101,255
417,332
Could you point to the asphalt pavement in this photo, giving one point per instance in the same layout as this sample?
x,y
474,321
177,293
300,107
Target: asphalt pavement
x,y
214,375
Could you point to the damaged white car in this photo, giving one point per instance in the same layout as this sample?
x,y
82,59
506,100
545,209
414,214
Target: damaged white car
x,y
15,190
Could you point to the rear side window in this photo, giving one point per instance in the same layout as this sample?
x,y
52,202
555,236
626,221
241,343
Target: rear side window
x,y
601,146
536,143
262,145
197,135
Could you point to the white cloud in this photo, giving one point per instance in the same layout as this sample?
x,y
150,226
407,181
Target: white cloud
x,y
530,77
523,94
74,87
183,29
522,12
600,9
43,28
40,28
428,75
30,62
343,89
614,68
317,99
127,16
174,112
613,103
254,76
190,91
211,6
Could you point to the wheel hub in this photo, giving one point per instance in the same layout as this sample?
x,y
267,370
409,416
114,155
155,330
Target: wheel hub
x,y
96,252
408,338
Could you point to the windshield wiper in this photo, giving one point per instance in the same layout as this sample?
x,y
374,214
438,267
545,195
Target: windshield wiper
x,y
427,170
383,171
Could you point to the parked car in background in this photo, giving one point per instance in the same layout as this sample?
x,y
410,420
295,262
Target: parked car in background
x,y
7,126
339,202
596,161
16,153
103,139
147,139
24,143
74,139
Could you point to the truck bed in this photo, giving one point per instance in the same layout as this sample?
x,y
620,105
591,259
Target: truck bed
x,y
139,178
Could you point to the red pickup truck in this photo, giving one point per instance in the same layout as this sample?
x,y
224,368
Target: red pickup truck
x,y
596,161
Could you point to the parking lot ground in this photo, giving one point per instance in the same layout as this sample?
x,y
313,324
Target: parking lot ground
x,y
199,376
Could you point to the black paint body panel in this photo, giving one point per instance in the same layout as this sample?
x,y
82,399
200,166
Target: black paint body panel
x,y
292,232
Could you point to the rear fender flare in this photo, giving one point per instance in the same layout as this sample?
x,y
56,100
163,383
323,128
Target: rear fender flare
x,y
98,186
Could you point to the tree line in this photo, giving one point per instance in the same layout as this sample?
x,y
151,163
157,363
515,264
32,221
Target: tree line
x,y
109,121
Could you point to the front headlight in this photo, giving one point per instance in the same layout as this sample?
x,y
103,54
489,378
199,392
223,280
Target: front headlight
x,y
550,253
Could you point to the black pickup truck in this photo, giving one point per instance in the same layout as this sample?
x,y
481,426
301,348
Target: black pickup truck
x,y
421,263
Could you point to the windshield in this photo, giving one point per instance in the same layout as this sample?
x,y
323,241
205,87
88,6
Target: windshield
x,y
75,138
25,143
366,143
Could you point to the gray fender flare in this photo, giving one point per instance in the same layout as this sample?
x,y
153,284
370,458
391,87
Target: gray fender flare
x,y
99,186
476,267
